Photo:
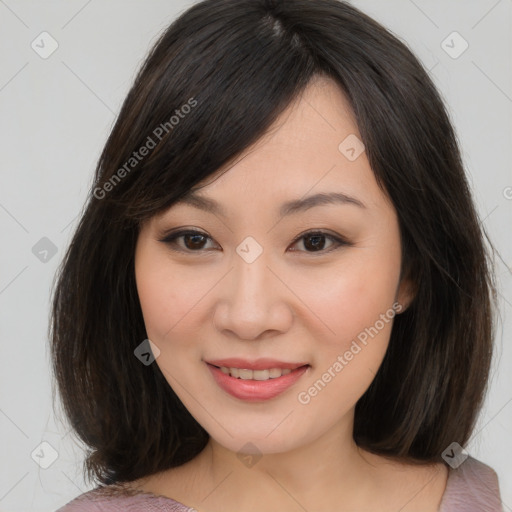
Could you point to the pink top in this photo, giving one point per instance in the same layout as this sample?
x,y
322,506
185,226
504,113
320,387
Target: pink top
x,y
472,487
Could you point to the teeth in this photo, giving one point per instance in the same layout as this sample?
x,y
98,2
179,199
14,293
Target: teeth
x,y
274,372
245,374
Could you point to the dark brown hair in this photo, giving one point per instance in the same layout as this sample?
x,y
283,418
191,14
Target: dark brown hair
x,y
240,63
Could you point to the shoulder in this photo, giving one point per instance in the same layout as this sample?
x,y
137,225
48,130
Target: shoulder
x,y
117,498
472,486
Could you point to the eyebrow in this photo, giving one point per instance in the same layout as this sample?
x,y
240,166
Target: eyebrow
x,y
288,208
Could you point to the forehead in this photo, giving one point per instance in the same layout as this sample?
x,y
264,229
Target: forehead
x,y
303,152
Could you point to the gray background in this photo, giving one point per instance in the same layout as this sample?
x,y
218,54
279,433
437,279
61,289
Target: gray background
x,y
55,116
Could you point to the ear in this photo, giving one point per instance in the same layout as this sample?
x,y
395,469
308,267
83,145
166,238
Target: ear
x,y
405,293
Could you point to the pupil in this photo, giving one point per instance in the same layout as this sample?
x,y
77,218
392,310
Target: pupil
x,y
195,244
316,244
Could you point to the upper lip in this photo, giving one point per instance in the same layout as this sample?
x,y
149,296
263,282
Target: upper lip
x,y
257,364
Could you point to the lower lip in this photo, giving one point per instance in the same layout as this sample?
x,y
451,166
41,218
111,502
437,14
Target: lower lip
x,y
256,390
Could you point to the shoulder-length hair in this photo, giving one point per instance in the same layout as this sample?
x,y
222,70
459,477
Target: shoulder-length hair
x,y
212,85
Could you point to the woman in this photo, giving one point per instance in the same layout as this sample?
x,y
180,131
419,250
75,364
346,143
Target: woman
x,y
278,295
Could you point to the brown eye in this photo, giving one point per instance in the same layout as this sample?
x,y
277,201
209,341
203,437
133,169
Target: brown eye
x,y
193,241
314,241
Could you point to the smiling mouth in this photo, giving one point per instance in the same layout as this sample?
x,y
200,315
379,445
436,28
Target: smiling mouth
x,y
247,374
264,381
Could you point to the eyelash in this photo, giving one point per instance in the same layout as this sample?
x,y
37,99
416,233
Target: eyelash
x,y
171,239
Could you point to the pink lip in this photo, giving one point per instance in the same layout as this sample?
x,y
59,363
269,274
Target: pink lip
x,y
255,390
259,364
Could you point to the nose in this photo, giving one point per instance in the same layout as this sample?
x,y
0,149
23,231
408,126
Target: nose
x,y
252,302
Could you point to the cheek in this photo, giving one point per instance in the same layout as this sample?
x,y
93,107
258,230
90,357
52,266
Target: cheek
x,y
167,294
352,295
360,313
357,304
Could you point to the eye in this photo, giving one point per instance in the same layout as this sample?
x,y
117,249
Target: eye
x,y
195,241
315,240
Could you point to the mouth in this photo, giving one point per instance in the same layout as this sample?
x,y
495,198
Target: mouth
x,y
247,374
255,381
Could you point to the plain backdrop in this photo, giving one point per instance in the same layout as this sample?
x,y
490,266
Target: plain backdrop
x,y
56,111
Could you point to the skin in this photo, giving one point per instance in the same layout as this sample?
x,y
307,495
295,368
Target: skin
x,y
293,304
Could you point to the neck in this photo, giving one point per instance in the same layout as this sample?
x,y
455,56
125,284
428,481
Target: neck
x,y
311,476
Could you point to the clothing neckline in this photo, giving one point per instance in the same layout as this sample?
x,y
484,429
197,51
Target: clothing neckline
x,y
150,495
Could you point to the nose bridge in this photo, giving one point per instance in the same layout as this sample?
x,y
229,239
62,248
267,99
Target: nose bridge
x,y
251,275
250,303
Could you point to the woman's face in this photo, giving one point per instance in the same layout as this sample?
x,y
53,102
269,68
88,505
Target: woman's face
x,y
258,282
